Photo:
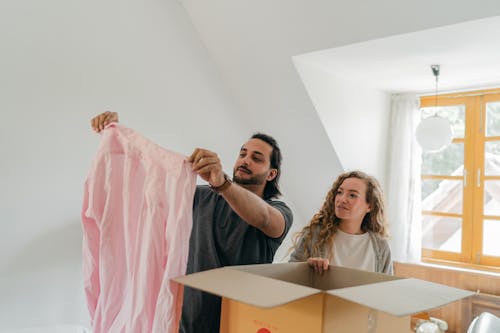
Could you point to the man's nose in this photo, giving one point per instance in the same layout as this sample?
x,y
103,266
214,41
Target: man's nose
x,y
244,161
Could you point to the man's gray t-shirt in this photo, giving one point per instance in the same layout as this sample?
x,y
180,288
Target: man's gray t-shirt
x,y
221,238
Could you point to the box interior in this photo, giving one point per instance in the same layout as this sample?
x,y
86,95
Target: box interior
x,y
300,273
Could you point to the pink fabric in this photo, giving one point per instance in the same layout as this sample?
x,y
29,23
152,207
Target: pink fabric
x,y
137,219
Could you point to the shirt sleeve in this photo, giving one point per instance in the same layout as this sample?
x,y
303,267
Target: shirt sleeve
x,y
90,254
298,252
387,262
287,215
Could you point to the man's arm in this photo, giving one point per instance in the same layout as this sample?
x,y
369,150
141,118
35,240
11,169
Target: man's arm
x,y
255,211
249,206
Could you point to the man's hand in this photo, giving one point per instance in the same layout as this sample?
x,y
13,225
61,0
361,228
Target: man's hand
x,y
99,122
319,264
207,164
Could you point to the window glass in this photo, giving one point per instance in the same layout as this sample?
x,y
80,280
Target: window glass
x,y
493,119
492,158
449,161
442,233
491,245
442,196
491,198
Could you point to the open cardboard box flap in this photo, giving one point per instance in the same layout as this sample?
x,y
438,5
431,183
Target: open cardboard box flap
x,y
402,297
245,287
271,285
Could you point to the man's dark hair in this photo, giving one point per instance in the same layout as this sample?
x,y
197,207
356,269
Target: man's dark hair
x,y
272,189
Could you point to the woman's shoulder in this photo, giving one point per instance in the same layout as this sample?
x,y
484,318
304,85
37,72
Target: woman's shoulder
x,y
379,239
314,230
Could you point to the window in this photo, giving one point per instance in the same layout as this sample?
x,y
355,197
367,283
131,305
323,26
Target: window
x,y
461,183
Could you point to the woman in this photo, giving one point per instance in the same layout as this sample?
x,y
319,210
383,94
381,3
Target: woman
x,y
350,229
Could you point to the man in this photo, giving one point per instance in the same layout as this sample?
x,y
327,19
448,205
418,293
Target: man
x,y
234,222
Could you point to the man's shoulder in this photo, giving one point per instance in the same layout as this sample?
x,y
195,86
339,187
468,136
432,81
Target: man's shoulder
x,y
283,208
276,201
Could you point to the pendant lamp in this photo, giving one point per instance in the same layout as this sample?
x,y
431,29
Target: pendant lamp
x,y
434,133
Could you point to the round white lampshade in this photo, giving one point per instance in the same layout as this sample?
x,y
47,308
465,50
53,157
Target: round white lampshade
x,y
434,133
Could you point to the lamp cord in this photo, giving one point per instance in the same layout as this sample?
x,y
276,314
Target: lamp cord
x,y
435,70
436,94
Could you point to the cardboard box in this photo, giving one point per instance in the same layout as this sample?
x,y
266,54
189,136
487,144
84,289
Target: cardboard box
x,y
291,297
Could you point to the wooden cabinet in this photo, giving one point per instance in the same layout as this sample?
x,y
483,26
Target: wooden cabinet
x,y
458,314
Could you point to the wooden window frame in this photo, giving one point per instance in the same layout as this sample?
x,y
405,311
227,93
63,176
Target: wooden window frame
x,y
472,214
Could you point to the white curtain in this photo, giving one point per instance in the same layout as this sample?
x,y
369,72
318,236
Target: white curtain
x,y
403,179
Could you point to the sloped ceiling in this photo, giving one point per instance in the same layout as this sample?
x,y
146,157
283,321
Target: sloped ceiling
x,y
467,53
253,42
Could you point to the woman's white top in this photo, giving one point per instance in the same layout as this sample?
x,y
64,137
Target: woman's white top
x,y
353,251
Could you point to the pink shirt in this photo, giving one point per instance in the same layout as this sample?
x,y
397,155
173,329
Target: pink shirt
x,y
137,219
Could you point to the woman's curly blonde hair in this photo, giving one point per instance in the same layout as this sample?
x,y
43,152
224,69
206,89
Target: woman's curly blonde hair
x,y
328,222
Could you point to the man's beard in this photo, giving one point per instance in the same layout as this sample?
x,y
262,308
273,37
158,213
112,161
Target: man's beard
x,y
258,179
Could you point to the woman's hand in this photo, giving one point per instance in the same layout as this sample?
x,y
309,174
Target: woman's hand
x,y
99,122
319,264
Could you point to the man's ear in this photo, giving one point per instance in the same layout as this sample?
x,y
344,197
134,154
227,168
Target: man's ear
x,y
272,174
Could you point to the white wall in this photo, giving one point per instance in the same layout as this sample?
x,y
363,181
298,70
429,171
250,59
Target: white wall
x,y
355,117
63,62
